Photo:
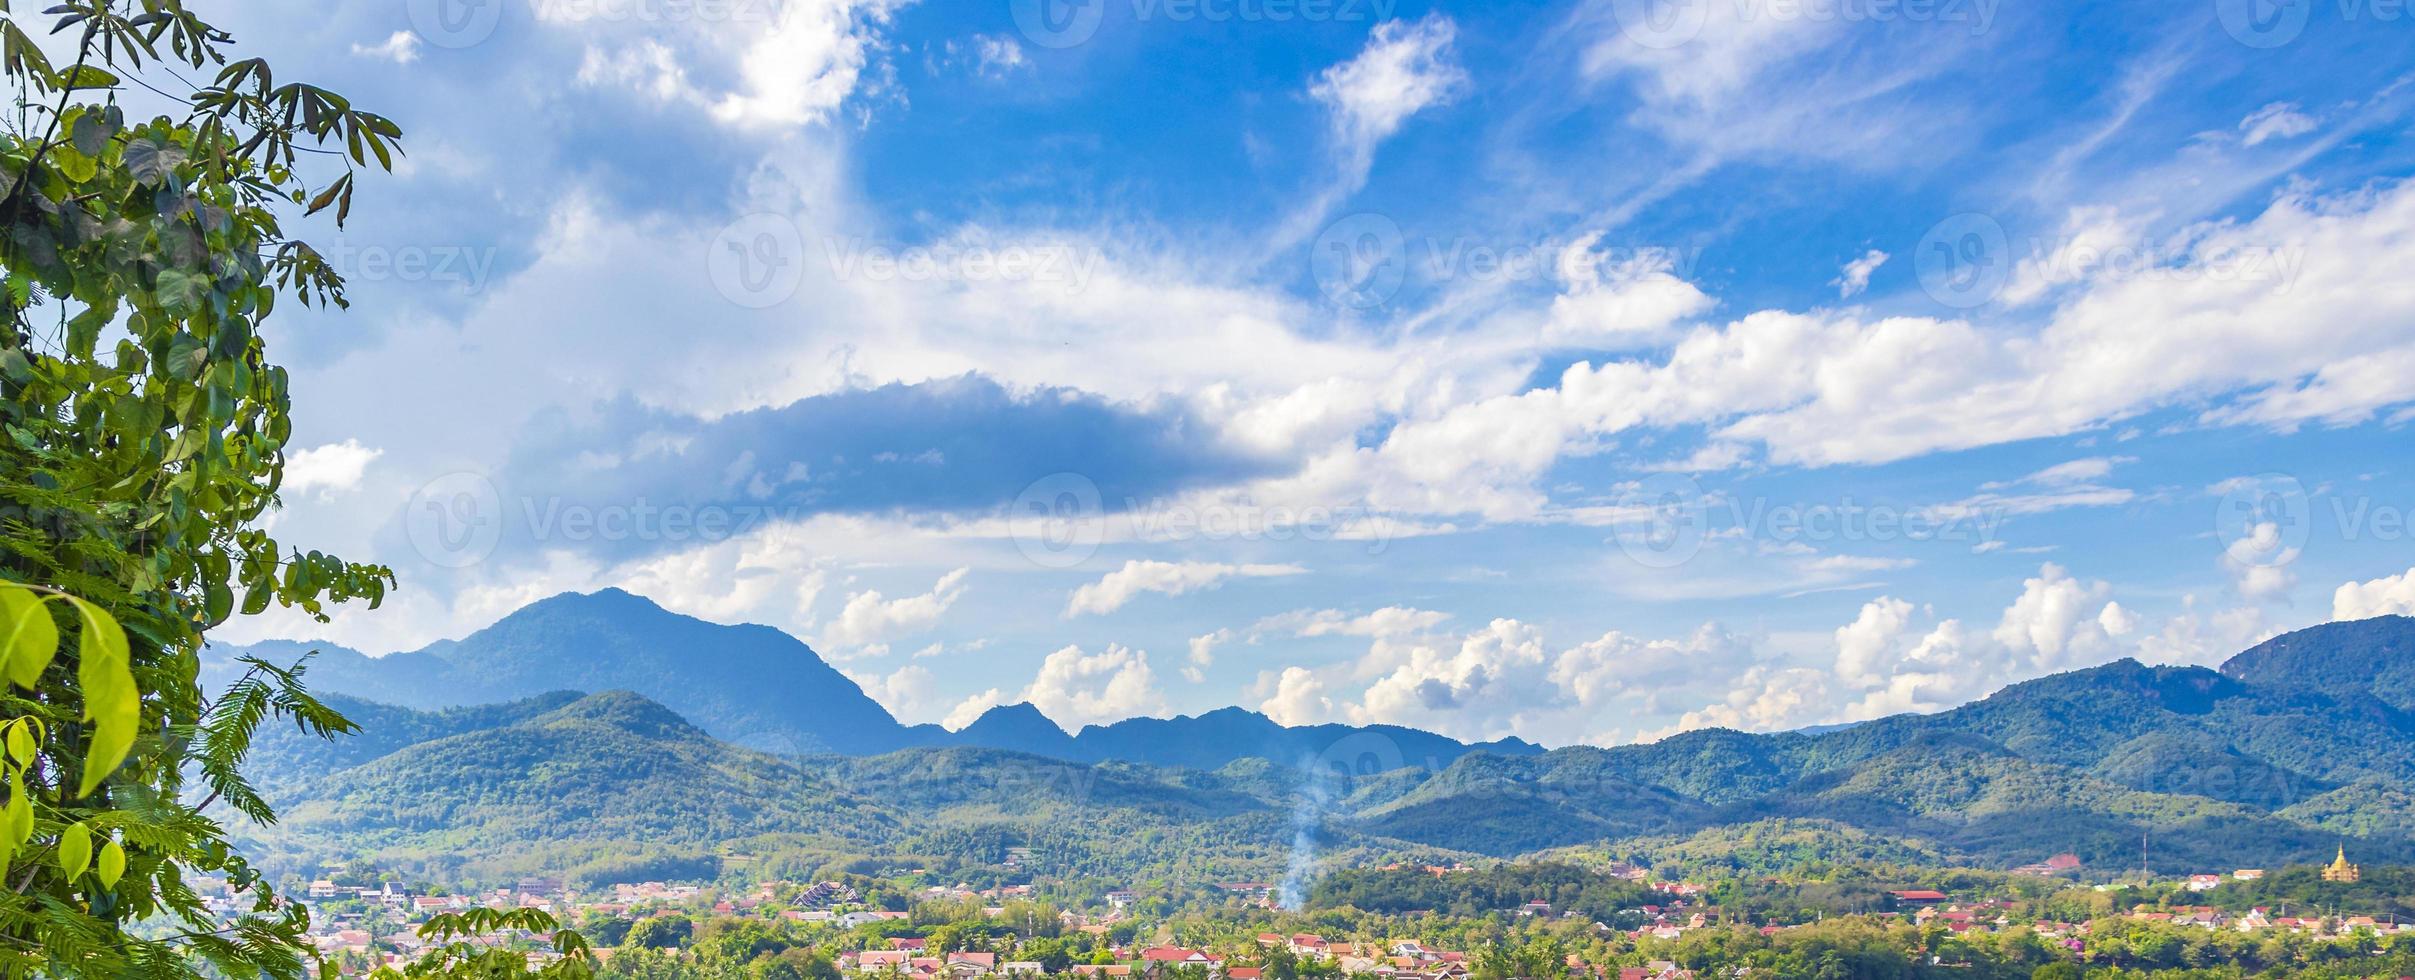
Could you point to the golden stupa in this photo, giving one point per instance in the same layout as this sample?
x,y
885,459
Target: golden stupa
x,y
2340,869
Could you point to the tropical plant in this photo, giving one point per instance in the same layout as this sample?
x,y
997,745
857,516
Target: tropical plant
x,y
145,435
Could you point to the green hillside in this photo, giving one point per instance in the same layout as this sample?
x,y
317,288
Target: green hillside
x,y
2184,769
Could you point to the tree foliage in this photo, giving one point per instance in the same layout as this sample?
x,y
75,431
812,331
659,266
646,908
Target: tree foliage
x,y
145,438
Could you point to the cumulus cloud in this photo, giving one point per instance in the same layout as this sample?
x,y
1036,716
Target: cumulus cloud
x,y
2391,595
1076,688
1118,587
329,469
971,708
909,692
795,63
870,617
1203,655
1299,699
1619,300
1476,688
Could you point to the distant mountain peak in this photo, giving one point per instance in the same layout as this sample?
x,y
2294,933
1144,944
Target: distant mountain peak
x,y
2355,658
1022,714
628,711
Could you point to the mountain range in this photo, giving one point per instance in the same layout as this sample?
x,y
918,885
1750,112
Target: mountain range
x,y
759,687
2287,751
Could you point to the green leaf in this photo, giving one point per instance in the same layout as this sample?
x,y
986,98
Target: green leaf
x,y
21,745
182,292
87,76
91,133
79,167
28,637
112,703
84,330
17,817
75,849
151,160
112,865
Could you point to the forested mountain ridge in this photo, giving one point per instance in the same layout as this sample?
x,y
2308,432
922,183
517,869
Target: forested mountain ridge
x,y
759,687
2203,769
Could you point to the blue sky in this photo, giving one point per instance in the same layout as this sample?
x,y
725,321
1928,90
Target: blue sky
x,y
1581,371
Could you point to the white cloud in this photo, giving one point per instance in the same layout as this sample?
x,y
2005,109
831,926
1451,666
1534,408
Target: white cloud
x,y
1118,587
907,692
1203,655
795,63
2392,595
400,47
870,617
329,469
1405,69
2060,622
1618,300
1075,688
2201,639
996,57
1477,689
1856,275
1299,699
2086,470
1389,621
970,709
2278,120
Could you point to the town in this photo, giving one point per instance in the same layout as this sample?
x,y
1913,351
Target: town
x,y
1238,931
